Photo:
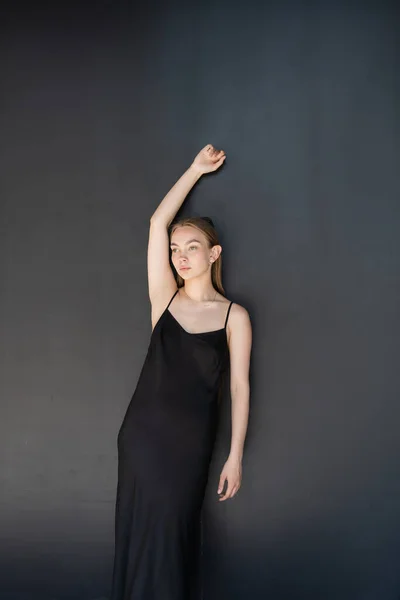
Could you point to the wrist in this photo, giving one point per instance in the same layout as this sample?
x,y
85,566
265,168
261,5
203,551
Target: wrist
x,y
235,456
196,172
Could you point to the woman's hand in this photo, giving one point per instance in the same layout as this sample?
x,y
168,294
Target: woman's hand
x,y
208,159
232,471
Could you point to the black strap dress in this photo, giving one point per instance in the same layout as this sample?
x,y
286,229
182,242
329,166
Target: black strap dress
x,y
165,445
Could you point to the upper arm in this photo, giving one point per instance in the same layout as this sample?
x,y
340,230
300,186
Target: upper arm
x,y
239,341
161,280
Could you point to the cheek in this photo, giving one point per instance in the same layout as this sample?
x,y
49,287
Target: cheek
x,y
198,258
204,258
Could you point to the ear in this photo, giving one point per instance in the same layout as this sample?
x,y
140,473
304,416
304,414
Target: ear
x,y
215,252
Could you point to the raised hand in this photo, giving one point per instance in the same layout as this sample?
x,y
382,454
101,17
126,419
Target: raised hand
x,y
208,159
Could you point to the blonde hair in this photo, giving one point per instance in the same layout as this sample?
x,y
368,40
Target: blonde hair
x,y
206,226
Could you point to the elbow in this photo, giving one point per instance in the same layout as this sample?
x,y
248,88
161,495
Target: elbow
x,y
159,221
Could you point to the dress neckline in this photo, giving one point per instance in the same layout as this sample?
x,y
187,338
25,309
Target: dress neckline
x,y
196,332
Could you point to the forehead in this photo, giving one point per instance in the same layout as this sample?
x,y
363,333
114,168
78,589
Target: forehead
x,y
183,235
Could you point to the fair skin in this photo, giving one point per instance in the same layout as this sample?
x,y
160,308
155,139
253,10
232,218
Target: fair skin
x,y
198,306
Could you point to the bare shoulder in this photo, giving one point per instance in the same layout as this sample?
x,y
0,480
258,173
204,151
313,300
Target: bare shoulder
x,y
238,312
239,337
239,323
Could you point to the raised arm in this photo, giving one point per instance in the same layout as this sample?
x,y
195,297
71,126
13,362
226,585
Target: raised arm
x,y
161,280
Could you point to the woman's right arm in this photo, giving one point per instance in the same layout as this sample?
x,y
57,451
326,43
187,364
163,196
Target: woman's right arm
x,y
172,202
161,279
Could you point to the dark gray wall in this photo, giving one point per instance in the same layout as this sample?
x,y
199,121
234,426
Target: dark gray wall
x,y
102,109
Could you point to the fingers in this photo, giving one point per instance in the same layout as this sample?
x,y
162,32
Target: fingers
x,y
220,162
230,491
213,153
222,480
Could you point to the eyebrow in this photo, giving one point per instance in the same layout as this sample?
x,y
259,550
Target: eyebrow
x,y
189,242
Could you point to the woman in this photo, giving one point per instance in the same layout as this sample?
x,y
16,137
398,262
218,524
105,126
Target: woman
x,y
166,439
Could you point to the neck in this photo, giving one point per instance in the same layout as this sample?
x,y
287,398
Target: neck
x,y
199,290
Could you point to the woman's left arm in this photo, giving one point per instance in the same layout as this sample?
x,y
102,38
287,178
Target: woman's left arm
x,y
239,341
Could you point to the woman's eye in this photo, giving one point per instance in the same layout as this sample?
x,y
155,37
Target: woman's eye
x,y
173,250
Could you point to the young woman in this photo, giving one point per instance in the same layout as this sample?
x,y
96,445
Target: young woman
x,y
166,439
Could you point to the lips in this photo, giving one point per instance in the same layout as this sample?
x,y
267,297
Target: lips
x,y
184,268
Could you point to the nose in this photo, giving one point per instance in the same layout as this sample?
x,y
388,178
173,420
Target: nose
x,y
182,258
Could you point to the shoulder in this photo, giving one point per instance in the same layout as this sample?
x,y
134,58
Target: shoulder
x,y
239,320
237,311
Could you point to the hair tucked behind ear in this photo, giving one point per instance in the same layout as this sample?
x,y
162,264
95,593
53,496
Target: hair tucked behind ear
x,y
206,226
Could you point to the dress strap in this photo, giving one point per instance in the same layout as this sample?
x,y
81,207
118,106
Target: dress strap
x,y
172,298
227,314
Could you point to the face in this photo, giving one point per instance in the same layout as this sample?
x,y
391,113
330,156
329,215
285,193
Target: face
x,y
190,253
